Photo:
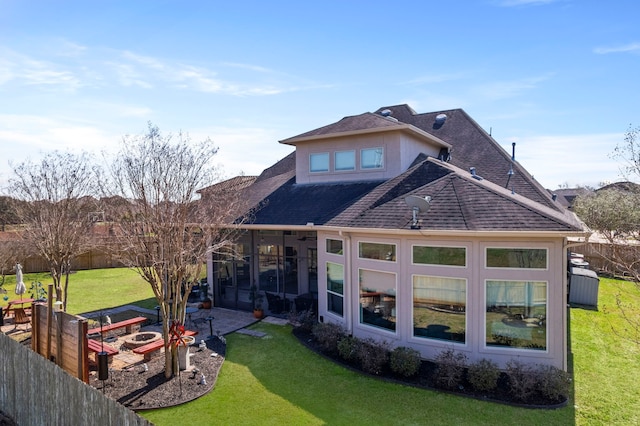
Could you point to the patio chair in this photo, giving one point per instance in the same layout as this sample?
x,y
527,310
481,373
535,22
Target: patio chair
x,y
277,304
20,317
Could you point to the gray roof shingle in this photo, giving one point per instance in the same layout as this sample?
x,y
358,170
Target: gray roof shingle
x,y
458,201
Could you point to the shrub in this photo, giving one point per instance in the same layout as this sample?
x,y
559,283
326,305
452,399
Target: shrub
x,y
328,335
522,380
404,361
372,355
348,348
483,375
553,383
304,320
450,369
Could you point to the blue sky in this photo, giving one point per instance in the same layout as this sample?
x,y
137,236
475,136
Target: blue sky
x,y
558,77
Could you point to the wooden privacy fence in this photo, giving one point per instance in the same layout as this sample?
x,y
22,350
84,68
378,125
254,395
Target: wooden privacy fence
x,y
92,259
34,391
61,338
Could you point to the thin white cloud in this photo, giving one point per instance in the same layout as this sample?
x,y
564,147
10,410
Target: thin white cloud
x,y
508,89
106,67
23,70
574,159
128,76
516,3
437,78
249,67
235,143
631,47
144,60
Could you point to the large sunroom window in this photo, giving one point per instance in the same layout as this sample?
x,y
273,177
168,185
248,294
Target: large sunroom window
x,y
441,256
517,258
335,288
334,246
378,298
516,314
439,308
377,251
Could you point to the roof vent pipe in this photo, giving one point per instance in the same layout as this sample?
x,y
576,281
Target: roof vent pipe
x,y
474,175
513,159
385,112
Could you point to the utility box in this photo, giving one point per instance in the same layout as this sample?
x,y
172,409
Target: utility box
x,y
583,287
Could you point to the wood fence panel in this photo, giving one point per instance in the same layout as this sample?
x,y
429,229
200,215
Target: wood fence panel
x,y
34,391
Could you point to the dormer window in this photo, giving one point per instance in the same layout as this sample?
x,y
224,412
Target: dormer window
x,y
372,158
319,162
345,160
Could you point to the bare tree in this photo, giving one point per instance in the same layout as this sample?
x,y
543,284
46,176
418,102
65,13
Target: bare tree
x,y
54,198
613,213
629,153
160,228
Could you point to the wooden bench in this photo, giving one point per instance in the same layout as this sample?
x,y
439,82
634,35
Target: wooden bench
x,y
126,324
150,349
95,347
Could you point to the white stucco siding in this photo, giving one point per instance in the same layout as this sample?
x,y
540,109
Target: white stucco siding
x,y
400,150
474,273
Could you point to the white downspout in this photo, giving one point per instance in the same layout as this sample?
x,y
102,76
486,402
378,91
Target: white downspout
x,y
349,291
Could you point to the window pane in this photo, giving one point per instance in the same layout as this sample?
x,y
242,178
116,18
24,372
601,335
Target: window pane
x,y
439,308
377,251
319,162
334,246
450,256
335,304
270,267
345,160
378,299
517,314
335,277
371,158
517,258
335,288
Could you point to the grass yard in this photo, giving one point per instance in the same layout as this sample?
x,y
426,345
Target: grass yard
x,y
94,289
275,380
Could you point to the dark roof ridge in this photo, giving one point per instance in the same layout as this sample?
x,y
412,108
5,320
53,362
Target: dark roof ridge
x,y
565,216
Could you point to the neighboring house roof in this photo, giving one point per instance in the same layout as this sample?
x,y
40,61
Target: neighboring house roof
x,y
458,200
566,196
622,186
236,183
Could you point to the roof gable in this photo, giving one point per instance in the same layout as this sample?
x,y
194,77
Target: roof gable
x,y
458,202
472,146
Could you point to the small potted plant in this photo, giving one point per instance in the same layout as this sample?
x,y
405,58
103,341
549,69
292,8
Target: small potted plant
x,y
257,299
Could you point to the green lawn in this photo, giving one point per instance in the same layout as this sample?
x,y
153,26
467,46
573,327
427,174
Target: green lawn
x,y
275,380
94,289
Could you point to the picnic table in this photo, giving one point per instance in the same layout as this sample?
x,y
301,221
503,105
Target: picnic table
x,y
150,349
126,324
12,305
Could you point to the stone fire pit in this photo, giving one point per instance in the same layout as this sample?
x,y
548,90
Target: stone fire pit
x,y
141,338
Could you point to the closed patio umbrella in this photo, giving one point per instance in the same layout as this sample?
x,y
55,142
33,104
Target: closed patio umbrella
x,y
20,287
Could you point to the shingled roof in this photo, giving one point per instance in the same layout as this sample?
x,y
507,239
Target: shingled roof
x,y
473,147
458,200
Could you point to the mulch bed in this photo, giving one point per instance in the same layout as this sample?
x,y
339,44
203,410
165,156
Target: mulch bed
x,y
138,389
425,378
